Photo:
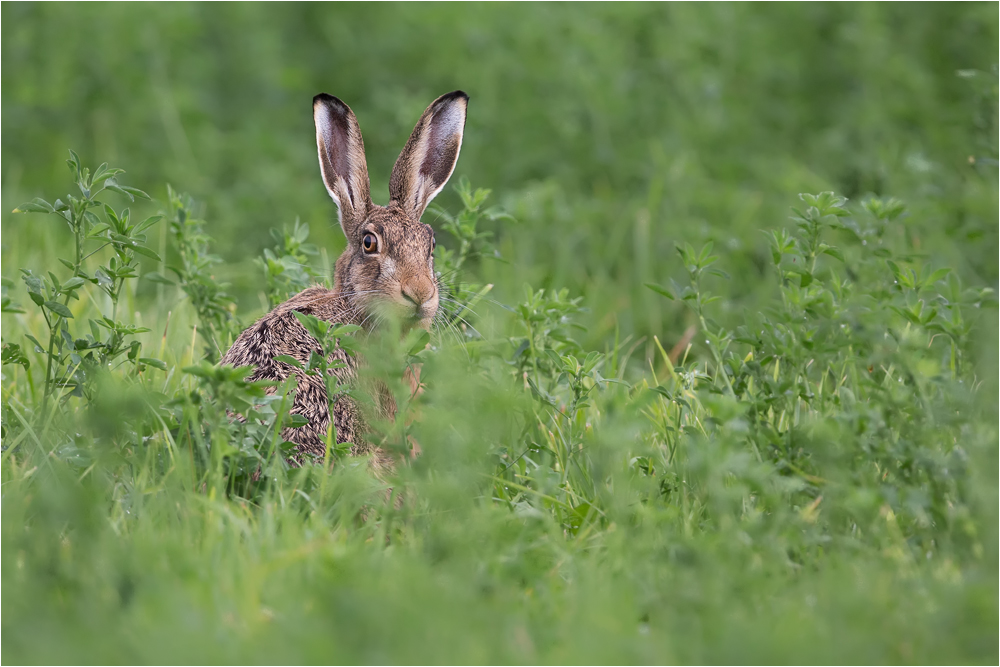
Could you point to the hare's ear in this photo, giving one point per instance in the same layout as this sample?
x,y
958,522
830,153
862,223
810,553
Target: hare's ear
x,y
429,157
342,160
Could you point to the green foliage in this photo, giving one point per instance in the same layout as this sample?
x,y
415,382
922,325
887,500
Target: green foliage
x,y
658,421
214,307
321,364
286,268
823,435
458,298
71,363
230,454
836,384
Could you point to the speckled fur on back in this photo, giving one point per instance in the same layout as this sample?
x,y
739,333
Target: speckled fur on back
x,y
388,264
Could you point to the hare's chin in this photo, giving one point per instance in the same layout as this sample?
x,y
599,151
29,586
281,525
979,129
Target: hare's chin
x,y
419,318
409,316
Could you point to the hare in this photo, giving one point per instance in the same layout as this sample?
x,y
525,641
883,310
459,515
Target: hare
x,y
388,263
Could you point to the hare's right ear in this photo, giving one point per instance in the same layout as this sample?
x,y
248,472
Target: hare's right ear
x,y
430,154
342,160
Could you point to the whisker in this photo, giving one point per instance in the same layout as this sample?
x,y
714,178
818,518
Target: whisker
x,y
461,306
466,323
450,328
485,298
474,329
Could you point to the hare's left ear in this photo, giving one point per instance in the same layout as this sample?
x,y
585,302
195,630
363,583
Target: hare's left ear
x,y
342,160
429,157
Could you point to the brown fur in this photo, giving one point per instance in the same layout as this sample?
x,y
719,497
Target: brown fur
x,y
399,276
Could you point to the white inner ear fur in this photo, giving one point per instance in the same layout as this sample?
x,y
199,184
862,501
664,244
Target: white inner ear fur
x,y
325,134
450,120
342,184
447,124
324,130
333,195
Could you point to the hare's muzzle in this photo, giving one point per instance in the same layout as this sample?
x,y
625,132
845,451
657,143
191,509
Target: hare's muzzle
x,y
421,294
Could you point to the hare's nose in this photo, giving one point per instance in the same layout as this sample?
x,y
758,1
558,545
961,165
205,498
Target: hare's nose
x,y
418,291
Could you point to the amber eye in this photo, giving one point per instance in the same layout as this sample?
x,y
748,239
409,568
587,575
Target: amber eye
x,y
369,243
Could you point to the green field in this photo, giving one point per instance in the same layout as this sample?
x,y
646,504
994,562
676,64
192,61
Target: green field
x,y
717,383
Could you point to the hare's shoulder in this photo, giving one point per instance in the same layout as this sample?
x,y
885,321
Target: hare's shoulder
x,y
280,332
316,300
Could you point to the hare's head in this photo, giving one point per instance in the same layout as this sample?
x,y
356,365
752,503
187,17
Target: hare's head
x,y
389,259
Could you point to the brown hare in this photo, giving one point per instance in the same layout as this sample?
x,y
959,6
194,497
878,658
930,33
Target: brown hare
x,y
388,263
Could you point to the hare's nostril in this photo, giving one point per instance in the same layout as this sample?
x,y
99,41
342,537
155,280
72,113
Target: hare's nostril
x,y
417,294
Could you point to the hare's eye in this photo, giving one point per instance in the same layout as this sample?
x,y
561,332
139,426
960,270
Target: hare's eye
x,y
434,244
369,243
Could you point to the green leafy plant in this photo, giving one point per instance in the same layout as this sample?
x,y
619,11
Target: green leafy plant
x,y
459,298
213,305
233,429
322,364
851,354
286,266
71,362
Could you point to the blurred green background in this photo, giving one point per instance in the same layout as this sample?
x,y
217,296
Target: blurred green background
x,y
610,131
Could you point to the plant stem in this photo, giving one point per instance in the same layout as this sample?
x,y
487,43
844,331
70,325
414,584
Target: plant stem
x,y
48,364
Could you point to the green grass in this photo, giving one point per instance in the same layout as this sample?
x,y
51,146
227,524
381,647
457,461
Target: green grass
x,y
808,476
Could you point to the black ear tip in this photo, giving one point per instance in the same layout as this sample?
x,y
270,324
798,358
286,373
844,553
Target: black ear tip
x,y
328,100
451,98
